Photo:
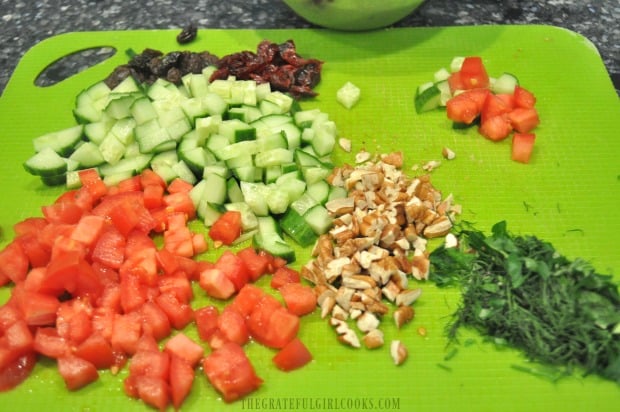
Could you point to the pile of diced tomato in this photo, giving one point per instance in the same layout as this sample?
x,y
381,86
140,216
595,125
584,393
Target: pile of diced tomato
x,y
92,290
500,114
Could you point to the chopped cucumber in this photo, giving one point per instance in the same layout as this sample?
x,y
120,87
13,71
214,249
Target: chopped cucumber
x,y
46,163
62,142
242,145
427,99
505,83
295,226
348,95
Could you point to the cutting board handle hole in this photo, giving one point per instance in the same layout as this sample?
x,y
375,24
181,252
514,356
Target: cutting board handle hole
x,y
72,64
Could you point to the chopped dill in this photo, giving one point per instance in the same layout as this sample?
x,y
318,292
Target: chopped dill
x,y
519,291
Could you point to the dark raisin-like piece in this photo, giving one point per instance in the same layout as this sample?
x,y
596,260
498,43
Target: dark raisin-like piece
x,y
188,34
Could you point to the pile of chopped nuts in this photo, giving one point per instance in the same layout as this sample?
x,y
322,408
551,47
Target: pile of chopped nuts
x,y
361,267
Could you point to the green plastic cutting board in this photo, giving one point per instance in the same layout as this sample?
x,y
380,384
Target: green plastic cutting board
x,y
569,194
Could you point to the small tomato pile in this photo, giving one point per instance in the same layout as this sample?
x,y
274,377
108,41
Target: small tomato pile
x,y
500,105
92,290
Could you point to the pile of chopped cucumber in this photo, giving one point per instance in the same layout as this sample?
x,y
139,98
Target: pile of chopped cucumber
x,y
243,146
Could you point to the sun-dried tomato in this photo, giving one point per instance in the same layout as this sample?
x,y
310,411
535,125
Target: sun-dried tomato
x,y
278,64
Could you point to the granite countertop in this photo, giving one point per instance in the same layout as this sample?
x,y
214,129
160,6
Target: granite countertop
x,y
24,24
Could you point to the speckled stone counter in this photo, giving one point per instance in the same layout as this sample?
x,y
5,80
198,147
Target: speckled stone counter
x,y
26,22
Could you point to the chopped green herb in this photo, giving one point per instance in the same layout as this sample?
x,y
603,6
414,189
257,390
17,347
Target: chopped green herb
x,y
518,290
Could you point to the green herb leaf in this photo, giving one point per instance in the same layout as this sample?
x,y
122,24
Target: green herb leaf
x,y
519,291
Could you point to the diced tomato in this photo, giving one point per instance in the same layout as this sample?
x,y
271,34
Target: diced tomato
x,y
153,196
97,350
150,363
300,299
227,228
167,261
522,146
523,120
178,240
199,243
180,202
179,286
110,248
180,345
63,212
206,321
30,225
455,82
16,371
283,276
493,106
292,356
126,332
234,268
47,342
149,177
180,314
524,98
141,264
14,262
232,326
191,267
73,320
230,372
91,181
9,314
181,380
131,184
38,255
473,74
147,343
155,321
256,263
18,339
466,107
179,185
272,324
247,299
49,235
133,293
216,283
152,390
76,372
496,128
38,309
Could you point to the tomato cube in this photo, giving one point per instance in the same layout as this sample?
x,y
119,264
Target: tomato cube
x,y
76,372
155,321
292,356
247,299
234,268
97,350
230,372
232,326
181,380
496,128
150,363
181,346
180,314
216,283
256,263
49,343
206,321
283,276
523,120
227,228
14,262
300,299
522,146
